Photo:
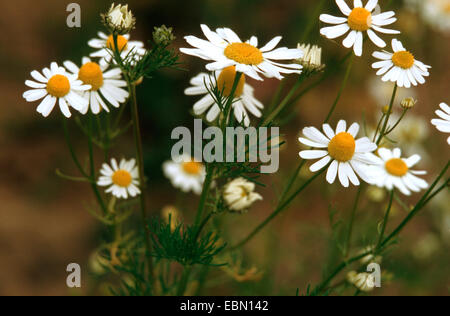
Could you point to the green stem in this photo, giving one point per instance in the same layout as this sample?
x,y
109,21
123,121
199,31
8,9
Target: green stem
x,y
229,105
285,101
71,150
278,210
423,201
352,220
312,20
184,281
205,192
341,89
142,180
292,180
386,219
388,114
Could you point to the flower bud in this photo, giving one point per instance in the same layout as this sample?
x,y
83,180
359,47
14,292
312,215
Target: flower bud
x,y
119,19
364,282
408,103
163,35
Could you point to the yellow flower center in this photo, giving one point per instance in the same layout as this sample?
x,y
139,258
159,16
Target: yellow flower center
x,y
226,80
90,73
192,167
122,178
360,19
58,86
403,59
342,147
396,167
244,53
121,42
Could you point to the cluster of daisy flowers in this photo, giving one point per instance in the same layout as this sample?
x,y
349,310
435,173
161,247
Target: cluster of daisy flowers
x,y
96,84
92,85
399,66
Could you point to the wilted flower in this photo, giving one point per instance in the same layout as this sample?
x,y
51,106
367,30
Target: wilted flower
x,y
163,35
312,57
239,194
364,282
408,103
119,19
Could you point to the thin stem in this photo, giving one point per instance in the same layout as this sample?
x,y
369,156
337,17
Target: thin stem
x,y
71,150
423,201
230,100
292,180
352,220
285,101
312,21
278,210
386,219
324,76
203,197
396,124
92,168
388,114
142,181
341,89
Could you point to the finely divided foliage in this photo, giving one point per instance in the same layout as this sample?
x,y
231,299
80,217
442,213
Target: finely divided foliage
x,y
139,252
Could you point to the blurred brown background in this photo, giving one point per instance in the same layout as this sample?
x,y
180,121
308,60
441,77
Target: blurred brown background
x,y
44,224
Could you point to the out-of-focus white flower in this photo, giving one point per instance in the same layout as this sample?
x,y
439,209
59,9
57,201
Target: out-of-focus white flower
x,y
239,194
185,174
426,247
358,21
119,19
443,124
364,282
369,258
394,171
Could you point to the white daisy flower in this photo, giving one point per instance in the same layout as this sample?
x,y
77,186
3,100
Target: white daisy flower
x,y
244,96
105,43
55,85
347,155
122,179
239,194
357,21
225,49
400,66
393,171
443,124
186,174
107,84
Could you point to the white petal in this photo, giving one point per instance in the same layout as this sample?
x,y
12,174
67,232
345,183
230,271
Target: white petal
x,y
350,39
313,154
332,19
343,7
376,39
320,164
332,172
332,32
